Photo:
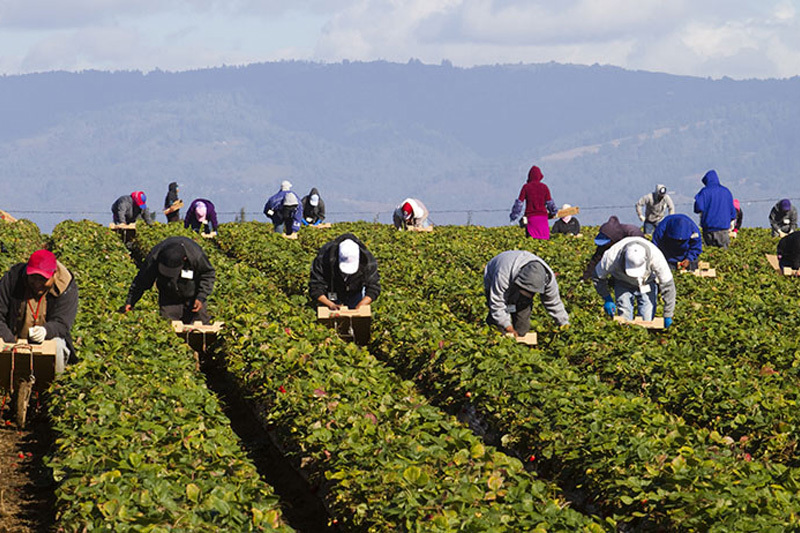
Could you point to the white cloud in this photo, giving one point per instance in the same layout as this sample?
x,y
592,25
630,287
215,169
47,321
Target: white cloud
x,y
739,38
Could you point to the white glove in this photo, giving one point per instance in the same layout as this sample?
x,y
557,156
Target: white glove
x,y
270,213
36,333
641,218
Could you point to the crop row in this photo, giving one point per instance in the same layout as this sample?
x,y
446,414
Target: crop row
x,y
642,463
387,458
730,364
141,443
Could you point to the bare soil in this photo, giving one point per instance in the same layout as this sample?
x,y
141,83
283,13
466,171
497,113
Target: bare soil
x,y
26,485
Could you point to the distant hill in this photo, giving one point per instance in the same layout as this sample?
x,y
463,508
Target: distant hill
x,y
369,134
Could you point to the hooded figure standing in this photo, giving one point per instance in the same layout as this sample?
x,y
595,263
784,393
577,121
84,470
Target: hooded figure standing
x,y
539,205
183,276
130,207
201,216
640,272
715,205
313,208
169,200
611,232
653,207
678,238
567,224
410,213
284,210
344,272
510,280
783,218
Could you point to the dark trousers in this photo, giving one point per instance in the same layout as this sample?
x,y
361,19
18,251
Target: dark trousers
x,y
521,319
184,313
720,239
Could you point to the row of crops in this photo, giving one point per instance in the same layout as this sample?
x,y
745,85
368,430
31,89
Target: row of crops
x,y
601,427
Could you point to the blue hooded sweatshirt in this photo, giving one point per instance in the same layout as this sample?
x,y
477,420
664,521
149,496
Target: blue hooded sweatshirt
x,y
678,237
715,204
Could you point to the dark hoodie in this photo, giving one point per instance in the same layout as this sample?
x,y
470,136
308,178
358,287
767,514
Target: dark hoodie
x,y
536,196
715,204
789,250
615,231
678,237
196,225
313,214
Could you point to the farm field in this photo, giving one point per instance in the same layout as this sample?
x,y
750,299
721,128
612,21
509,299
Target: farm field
x,y
440,423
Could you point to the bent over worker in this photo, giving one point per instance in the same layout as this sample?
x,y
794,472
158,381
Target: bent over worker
x,y
183,276
640,272
510,280
39,301
678,238
345,273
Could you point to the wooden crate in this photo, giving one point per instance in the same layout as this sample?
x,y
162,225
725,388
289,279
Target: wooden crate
x,y
574,210
350,324
177,204
44,363
772,259
656,323
529,338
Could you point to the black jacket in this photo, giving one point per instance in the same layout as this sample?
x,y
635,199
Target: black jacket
x,y
62,306
326,276
197,283
313,213
573,226
789,250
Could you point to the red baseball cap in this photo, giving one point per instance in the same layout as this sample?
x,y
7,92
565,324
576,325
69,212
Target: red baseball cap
x,y
140,198
42,262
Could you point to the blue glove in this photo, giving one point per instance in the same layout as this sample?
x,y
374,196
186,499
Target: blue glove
x,y
667,322
610,307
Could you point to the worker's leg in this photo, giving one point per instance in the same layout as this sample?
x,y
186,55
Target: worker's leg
x,y
521,319
62,354
647,302
625,299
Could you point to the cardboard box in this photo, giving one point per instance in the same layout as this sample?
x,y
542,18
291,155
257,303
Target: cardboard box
x,y
350,324
656,323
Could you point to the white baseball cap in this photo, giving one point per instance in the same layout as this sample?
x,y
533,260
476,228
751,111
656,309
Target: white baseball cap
x,y
314,199
286,185
348,256
635,260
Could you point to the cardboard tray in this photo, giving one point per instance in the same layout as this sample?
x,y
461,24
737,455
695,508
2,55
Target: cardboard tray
x,y
656,323
320,226
5,217
774,263
291,237
196,327
704,270
208,235
424,229
350,324
123,226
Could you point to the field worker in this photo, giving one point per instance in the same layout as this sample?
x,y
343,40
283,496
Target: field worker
x,y
183,275
678,238
789,251
568,224
611,232
130,207
539,205
284,210
737,224
783,218
171,198
345,273
39,301
410,213
639,271
714,202
653,207
313,208
201,216
510,280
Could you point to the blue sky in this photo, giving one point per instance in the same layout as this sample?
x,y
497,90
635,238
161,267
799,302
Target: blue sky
x,y
709,38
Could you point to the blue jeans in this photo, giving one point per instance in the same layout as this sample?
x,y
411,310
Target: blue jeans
x,y
628,295
648,228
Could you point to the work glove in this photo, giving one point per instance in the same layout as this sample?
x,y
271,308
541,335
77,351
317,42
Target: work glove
x,y
609,306
36,333
641,218
270,213
667,322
